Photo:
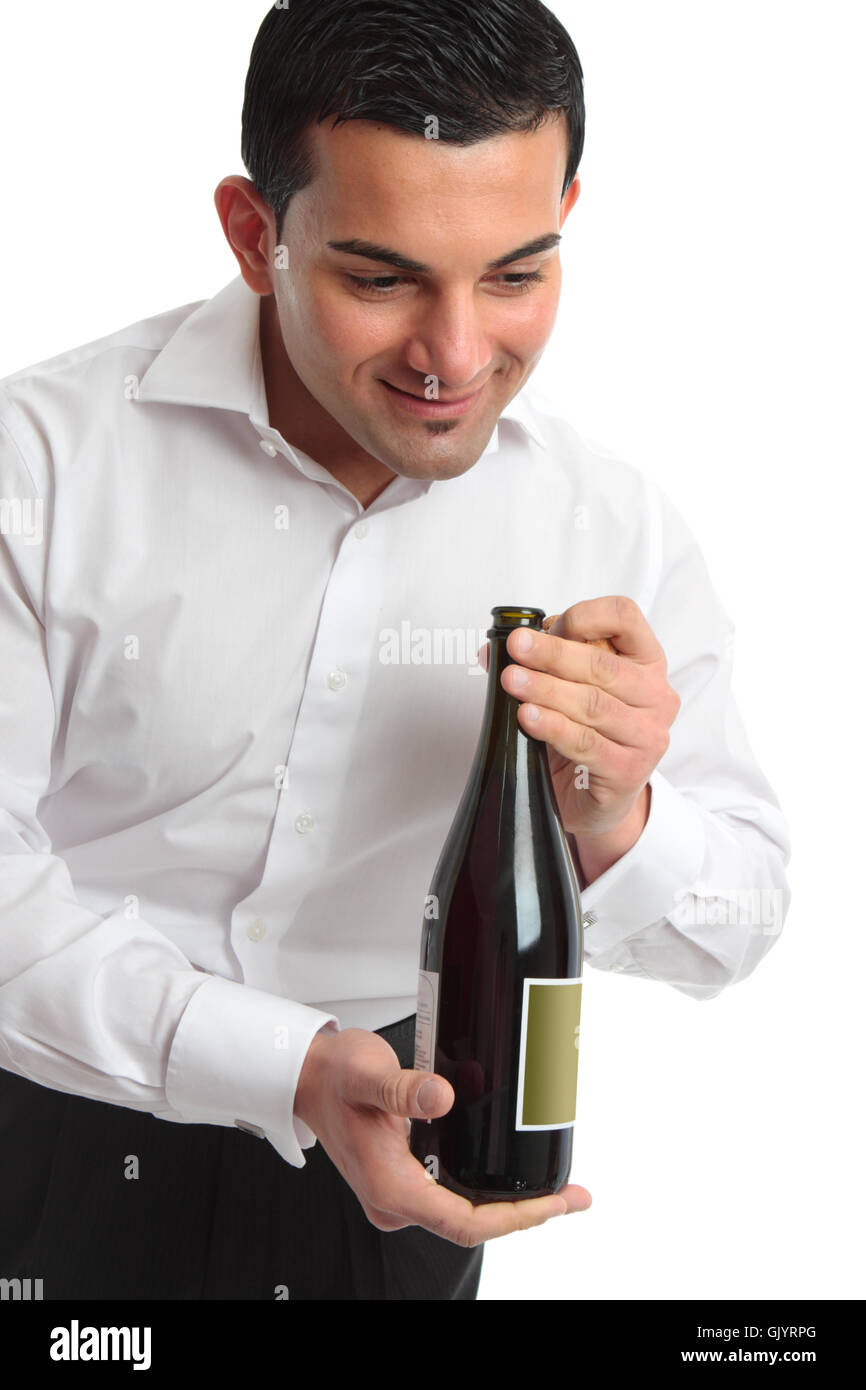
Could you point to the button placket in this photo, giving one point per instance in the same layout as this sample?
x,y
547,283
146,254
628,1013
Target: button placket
x,y
315,766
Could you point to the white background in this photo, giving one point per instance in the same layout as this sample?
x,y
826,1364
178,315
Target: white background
x,y
711,332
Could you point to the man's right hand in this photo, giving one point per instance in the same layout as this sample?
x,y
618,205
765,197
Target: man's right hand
x,y
357,1100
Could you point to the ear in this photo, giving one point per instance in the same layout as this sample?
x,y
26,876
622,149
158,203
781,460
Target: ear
x,y
250,230
570,197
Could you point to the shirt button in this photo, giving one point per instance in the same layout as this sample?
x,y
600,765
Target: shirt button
x,y
337,680
362,530
269,449
256,930
250,1129
304,823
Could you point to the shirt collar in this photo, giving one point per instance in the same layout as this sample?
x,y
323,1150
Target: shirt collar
x,y
213,360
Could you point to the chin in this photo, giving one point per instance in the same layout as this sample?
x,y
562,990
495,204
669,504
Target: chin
x,y
426,454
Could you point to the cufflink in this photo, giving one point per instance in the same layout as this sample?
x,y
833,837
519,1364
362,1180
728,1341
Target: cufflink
x,y
589,919
250,1129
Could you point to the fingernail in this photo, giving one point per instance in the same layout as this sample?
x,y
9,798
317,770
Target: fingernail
x,y
427,1096
532,713
524,641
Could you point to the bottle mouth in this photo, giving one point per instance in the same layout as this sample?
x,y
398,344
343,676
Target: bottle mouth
x,y
512,616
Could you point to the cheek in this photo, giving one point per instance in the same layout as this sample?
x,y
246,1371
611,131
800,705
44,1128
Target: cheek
x,y
336,329
528,327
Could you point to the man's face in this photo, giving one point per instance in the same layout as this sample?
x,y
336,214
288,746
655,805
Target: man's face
x,y
370,341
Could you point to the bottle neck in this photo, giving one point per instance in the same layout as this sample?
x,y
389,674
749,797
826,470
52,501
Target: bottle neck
x,y
502,741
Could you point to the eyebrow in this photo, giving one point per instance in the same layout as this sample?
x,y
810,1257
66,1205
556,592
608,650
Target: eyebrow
x,y
372,252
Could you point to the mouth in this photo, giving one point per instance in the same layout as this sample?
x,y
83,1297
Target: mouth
x,y
432,409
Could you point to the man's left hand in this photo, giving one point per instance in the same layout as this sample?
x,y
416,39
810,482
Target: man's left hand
x,y
605,718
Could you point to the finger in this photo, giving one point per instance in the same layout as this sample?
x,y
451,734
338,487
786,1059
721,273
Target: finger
x,y
618,618
619,766
398,1092
550,625
577,661
583,704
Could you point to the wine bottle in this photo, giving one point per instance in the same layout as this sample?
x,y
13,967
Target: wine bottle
x,y
501,962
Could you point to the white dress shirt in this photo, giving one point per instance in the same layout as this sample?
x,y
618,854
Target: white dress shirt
x,y
237,713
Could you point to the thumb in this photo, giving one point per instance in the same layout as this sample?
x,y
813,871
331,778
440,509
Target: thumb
x,y
412,1094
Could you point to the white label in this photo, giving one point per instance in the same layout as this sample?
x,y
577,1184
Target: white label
x,y
425,1020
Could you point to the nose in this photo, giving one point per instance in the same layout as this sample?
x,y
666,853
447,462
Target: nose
x,y
451,341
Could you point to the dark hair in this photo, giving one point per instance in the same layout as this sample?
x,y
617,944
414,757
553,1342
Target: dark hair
x,y
480,68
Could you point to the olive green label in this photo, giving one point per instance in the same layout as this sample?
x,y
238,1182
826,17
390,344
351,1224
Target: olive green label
x,y
549,1041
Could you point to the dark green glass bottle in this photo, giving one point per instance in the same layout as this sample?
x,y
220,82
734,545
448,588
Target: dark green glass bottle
x,y
501,964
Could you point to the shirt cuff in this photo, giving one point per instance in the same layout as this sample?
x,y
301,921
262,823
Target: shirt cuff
x,y
646,883
236,1058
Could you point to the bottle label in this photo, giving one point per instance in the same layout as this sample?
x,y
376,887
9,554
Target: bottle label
x,y
549,1040
425,1020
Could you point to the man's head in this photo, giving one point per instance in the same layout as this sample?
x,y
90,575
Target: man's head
x,y
411,167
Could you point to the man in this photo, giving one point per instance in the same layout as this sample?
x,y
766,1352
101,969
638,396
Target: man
x,y
231,754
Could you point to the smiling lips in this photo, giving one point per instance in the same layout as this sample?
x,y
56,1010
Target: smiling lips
x,y
435,409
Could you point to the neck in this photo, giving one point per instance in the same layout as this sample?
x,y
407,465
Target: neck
x,y
303,422
502,741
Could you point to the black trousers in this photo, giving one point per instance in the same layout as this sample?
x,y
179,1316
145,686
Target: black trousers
x,y
215,1213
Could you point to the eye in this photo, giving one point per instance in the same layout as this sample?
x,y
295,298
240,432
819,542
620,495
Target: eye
x,y
379,284
524,281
